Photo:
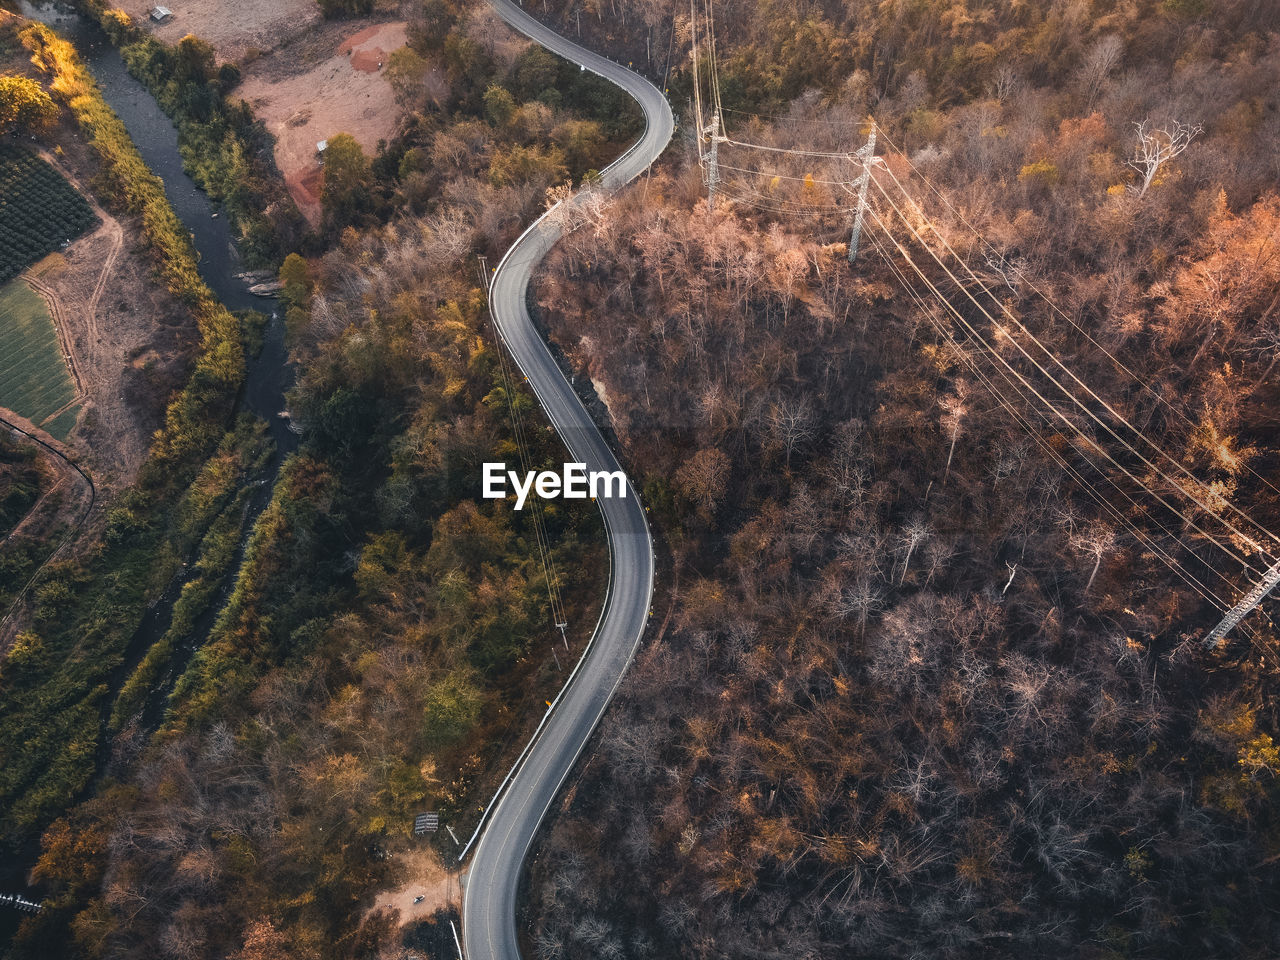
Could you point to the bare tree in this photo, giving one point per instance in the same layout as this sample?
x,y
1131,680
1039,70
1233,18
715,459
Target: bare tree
x,y
1097,540
954,411
703,478
915,533
1004,84
1157,146
859,601
1098,64
1268,342
792,423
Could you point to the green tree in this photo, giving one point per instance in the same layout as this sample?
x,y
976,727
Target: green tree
x,y
406,72
581,141
194,60
341,9
527,165
295,296
296,277
452,708
383,564
534,73
499,105
428,30
25,107
347,179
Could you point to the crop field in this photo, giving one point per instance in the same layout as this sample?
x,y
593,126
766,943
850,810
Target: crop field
x,y
39,210
34,381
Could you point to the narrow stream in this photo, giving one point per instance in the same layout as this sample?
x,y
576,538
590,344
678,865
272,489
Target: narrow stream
x,y
269,375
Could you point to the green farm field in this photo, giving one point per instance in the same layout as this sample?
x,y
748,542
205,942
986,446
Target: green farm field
x,y
39,210
34,380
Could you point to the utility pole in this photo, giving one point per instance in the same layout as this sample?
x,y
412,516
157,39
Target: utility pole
x,y
1245,606
712,176
867,156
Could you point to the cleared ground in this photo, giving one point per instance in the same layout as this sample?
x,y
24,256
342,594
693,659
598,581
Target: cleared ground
x,y
234,29
127,339
306,79
34,380
425,878
308,92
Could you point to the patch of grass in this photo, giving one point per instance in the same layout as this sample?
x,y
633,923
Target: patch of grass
x,y
60,426
39,210
33,377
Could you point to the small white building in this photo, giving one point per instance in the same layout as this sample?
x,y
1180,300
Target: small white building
x,y
161,14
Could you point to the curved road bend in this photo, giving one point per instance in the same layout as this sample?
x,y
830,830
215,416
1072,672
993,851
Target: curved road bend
x,y
489,903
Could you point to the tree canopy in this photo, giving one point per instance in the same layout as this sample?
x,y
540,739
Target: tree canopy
x,y
25,106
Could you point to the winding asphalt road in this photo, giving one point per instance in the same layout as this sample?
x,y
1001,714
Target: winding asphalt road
x,y
490,885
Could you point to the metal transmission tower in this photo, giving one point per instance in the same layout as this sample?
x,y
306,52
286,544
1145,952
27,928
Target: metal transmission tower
x,y
867,156
1242,609
712,176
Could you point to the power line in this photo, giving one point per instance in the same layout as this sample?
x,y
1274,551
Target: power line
x,y
1142,384
843,155
1144,539
783,176
550,574
1032,389
1070,396
1191,487
697,84
1159,451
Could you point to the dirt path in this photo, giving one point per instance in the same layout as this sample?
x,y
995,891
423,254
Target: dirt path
x,y
60,324
107,224
116,243
124,339
38,523
34,513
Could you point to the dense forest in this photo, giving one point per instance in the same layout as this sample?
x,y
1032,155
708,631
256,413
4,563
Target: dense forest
x,y
920,690
388,633
921,693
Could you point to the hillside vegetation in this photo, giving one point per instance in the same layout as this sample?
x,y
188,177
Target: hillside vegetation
x,y
922,694
387,640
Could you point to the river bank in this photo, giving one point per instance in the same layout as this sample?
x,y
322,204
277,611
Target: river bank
x,y
267,376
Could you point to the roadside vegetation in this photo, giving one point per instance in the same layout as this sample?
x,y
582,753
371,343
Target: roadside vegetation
x,y
22,482
490,126
920,695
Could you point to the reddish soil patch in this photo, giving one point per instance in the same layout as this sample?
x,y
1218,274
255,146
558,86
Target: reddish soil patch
x,y
366,48
341,90
368,61
306,189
